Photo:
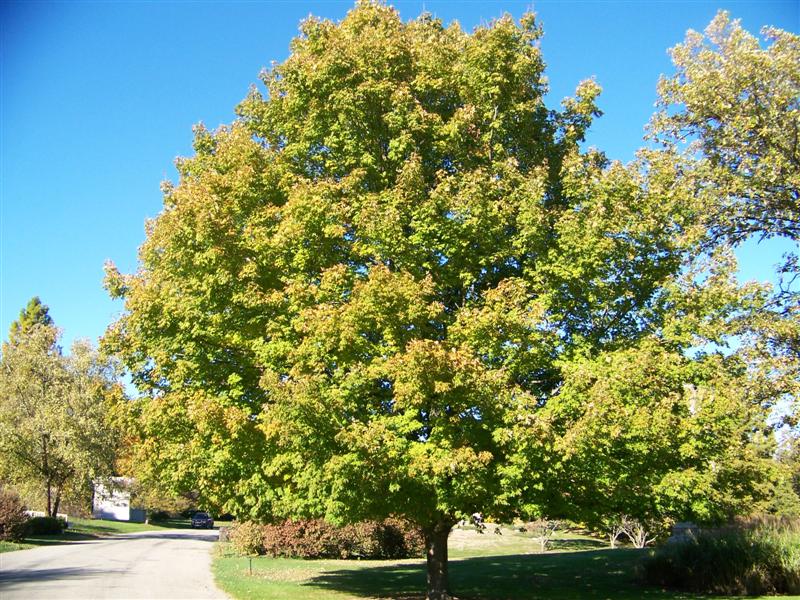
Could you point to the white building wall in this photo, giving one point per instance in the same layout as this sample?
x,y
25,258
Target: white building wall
x,y
111,503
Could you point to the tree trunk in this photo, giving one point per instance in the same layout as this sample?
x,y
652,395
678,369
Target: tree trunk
x,y
56,503
47,474
436,552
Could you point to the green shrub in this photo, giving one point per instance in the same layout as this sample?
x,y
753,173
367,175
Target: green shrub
x,y
159,515
314,538
45,526
757,557
12,516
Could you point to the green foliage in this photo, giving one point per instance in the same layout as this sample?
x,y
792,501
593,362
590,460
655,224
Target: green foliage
x,y
54,433
12,516
357,291
785,500
730,115
648,432
762,557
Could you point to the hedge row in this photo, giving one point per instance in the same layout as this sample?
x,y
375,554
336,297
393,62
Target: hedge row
x,y
391,538
45,526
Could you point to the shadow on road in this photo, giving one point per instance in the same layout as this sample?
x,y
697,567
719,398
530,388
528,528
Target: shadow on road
x,y
27,575
161,535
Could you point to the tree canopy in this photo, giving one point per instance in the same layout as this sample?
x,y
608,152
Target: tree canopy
x,y
397,284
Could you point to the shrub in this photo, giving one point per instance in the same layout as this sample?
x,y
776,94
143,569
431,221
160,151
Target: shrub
x,y
756,557
247,537
45,526
400,539
159,515
12,516
302,539
314,538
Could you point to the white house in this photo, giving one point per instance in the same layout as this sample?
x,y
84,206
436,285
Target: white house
x,y
112,501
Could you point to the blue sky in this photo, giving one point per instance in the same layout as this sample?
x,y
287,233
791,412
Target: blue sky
x,y
98,98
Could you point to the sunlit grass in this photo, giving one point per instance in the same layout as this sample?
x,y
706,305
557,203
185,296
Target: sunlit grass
x,y
12,546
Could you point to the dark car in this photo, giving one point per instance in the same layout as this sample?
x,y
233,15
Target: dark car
x,y
202,520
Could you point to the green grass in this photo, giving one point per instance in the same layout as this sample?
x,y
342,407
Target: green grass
x,y
100,527
11,546
482,567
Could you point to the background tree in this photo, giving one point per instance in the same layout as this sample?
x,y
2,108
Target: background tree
x,y
34,313
362,297
732,109
737,105
54,434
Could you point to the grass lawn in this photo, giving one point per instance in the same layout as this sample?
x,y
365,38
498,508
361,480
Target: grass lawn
x,y
482,567
11,546
87,529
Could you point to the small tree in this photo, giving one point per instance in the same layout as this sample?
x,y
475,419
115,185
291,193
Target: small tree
x,y
544,530
54,432
637,532
614,527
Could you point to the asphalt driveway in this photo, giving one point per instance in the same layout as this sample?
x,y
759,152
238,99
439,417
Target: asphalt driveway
x,y
154,564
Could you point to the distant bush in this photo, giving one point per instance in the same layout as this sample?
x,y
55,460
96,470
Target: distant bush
x,y
159,515
45,526
761,556
12,516
314,538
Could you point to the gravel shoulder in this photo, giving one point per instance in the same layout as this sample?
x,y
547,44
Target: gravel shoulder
x,y
165,564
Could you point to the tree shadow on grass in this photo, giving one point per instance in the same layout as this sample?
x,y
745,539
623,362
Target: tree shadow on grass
x,y
556,576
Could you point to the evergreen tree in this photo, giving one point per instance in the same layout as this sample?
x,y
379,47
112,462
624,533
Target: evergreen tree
x,y
35,313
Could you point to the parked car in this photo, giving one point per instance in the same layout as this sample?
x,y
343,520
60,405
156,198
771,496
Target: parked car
x,y
202,520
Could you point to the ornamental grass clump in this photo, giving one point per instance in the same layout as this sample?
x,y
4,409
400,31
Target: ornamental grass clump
x,y
758,556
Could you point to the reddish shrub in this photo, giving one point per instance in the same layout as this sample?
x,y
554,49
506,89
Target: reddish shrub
x,y
314,538
12,516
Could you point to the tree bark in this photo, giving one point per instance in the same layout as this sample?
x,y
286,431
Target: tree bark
x,y
46,472
436,553
57,502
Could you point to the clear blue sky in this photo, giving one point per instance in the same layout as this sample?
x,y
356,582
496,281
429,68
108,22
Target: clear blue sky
x,y
98,98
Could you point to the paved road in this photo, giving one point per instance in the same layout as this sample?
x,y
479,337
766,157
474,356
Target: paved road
x,y
159,565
